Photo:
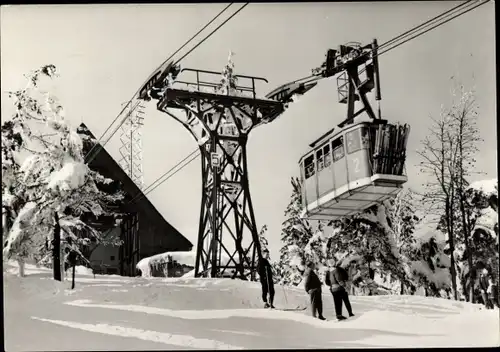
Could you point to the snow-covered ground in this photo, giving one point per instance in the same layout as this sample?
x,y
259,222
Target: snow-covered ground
x,y
123,313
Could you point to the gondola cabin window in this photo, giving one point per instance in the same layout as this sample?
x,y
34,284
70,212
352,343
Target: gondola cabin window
x,y
326,155
353,141
309,166
338,149
319,158
365,138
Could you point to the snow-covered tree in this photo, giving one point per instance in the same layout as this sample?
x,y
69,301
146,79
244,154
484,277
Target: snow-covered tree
x,y
368,242
403,219
227,85
464,113
11,146
449,158
263,241
295,234
53,187
482,199
439,155
385,249
430,264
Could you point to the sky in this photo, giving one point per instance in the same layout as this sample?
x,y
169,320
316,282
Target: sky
x,y
105,52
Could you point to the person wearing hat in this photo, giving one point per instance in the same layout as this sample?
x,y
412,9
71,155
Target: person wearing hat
x,y
312,285
336,277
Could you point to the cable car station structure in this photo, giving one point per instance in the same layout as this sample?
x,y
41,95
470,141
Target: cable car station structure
x,y
348,169
220,120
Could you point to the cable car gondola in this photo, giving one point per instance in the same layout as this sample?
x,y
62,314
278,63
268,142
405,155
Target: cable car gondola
x,y
361,162
351,169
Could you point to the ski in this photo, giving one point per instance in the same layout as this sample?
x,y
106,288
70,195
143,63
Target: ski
x,y
298,308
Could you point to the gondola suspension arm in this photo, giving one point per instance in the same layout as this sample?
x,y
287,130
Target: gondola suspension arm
x,y
346,59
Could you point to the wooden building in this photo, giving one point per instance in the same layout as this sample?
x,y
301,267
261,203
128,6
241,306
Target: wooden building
x,y
143,230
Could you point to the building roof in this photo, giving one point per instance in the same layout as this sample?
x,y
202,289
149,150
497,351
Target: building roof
x,y
104,163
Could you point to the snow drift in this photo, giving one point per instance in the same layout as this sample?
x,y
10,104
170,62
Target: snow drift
x,y
147,265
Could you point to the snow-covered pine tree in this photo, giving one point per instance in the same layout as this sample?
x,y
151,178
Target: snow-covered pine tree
x,y
53,185
11,144
227,85
430,262
295,234
263,239
482,198
15,132
314,251
275,267
365,244
403,219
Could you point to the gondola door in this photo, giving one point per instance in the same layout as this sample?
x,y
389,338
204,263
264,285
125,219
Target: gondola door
x,y
358,163
339,169
325,170
310,180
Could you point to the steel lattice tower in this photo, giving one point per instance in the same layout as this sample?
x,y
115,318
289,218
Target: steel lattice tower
x,y
220,117
131,144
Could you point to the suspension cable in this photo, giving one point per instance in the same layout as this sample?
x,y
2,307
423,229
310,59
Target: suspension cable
x,y
152,186
470,8
423,24
148,188
314,78
135,94
439,24
211,33
176,171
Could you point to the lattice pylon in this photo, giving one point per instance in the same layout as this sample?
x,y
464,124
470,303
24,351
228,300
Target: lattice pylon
x,y
227,216
220,120
131,145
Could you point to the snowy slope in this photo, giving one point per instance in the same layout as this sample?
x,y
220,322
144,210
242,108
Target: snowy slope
x,y
122,313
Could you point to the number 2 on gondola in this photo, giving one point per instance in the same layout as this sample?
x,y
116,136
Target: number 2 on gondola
x,y
356,164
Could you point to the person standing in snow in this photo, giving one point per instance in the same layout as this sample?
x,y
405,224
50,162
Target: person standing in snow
x,y
312,285
266,280
337,278
486,286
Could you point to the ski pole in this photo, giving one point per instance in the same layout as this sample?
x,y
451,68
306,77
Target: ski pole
x,y
284,293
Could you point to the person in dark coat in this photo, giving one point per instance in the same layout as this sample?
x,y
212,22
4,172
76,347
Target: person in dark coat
x,y
312,285
266,280
337,278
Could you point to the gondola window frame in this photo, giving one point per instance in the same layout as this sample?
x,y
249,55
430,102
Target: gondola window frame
x,y
336,146
365,138
309,166
320,165
327,156
353,144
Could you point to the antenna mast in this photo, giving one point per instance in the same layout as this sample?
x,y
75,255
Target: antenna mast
x,y
131,145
